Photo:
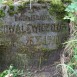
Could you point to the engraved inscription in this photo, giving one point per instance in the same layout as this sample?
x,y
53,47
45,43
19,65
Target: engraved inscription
x,y
35,27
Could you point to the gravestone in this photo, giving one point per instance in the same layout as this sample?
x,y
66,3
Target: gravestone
x,y
32,30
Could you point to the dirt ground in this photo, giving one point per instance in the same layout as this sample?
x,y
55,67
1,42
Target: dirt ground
x,y
46,71
50,69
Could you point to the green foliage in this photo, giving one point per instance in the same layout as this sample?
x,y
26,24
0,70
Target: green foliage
x,y
71,11
72,47
11,10
8,2
2,14
23,1
20,8
72,43
41,1
57,2
71,71
57,8
11,72
66,1
1,1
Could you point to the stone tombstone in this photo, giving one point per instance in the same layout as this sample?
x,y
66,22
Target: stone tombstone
x,y
34,27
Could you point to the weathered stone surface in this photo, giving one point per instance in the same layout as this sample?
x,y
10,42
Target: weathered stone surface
x,y
35,27
32,32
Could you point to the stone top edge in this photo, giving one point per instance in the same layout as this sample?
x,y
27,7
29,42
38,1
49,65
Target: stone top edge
x,y
18,3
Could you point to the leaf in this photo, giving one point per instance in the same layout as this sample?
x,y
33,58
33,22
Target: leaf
x,y
75,56
74,0
1,1
66,17
72,18
72,7
75,9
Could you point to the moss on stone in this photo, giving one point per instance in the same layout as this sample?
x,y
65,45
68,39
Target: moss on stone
x,y
2,14
58,8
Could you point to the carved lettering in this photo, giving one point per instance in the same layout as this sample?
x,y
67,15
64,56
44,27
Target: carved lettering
x,y
18,29
35,28
28,29
38,39
29,41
